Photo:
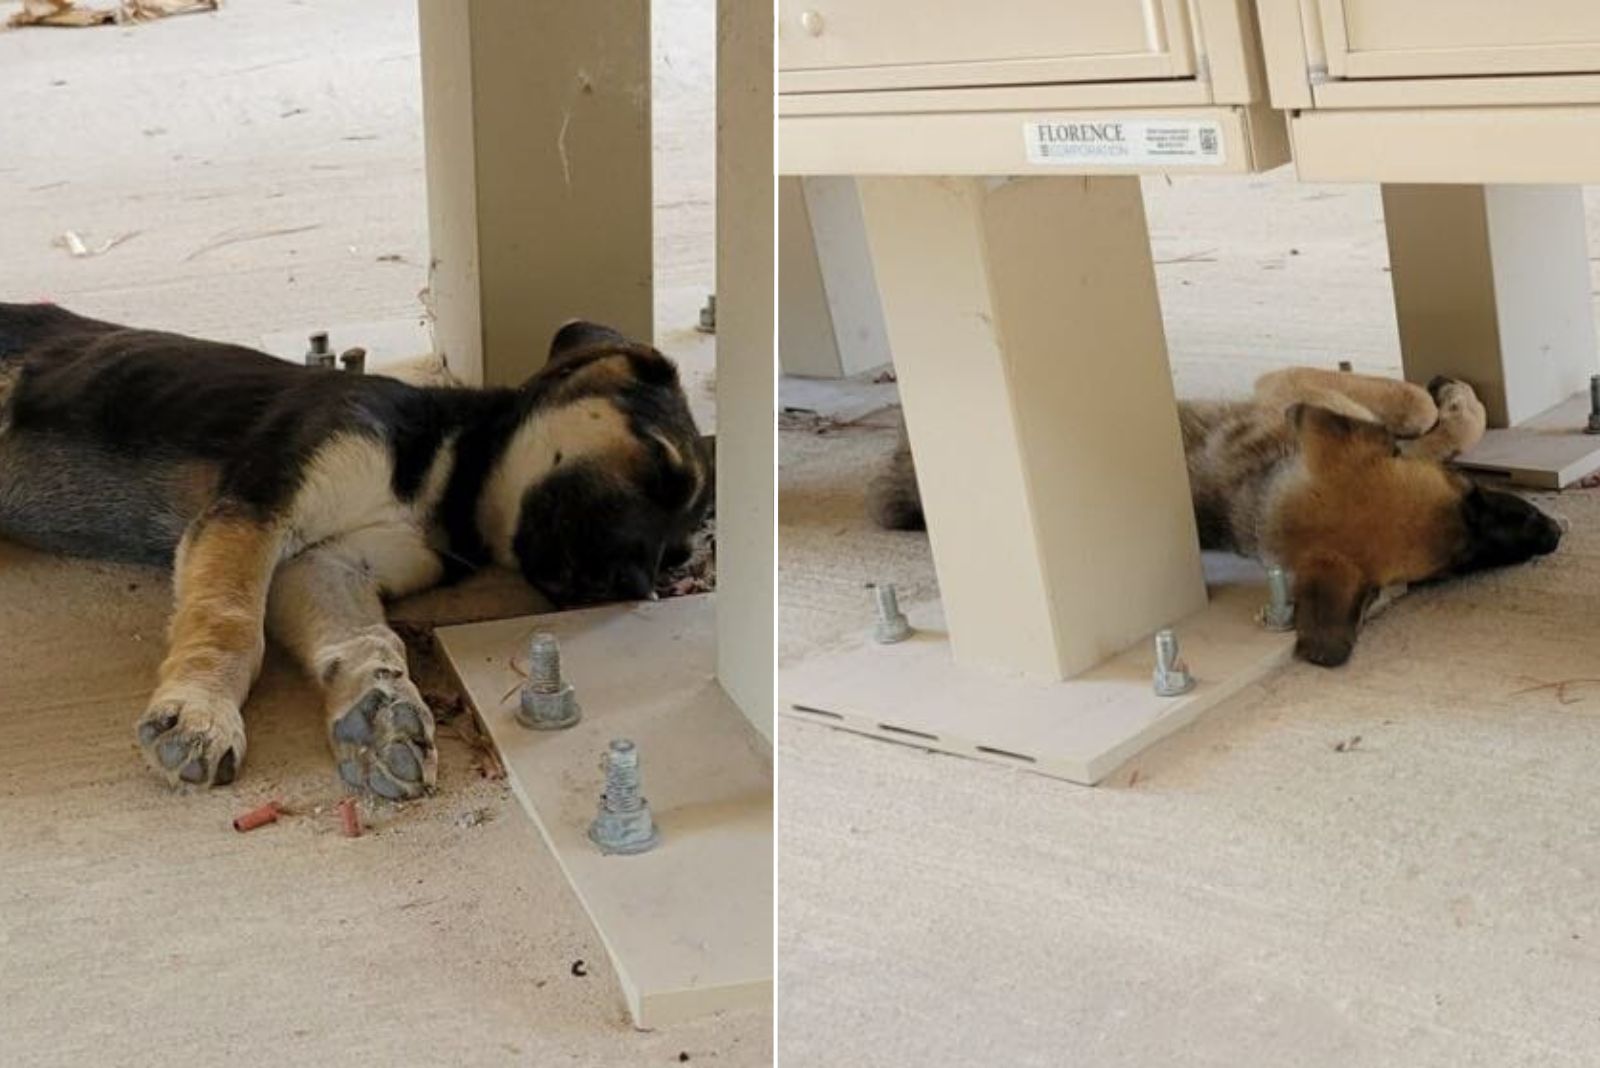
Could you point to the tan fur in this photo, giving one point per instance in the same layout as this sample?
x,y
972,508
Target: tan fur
x,y
1406,409
214,647
1335,476
223,572
1291,484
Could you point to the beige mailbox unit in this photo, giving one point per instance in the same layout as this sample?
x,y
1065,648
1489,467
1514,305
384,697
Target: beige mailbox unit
x,y
995,150
1481,119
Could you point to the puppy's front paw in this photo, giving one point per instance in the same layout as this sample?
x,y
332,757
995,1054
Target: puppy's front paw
x,y
1462,419
383,739
193,739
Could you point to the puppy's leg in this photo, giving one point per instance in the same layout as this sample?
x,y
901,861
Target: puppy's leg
x,y
1462,420
325,609
1407,410
192,731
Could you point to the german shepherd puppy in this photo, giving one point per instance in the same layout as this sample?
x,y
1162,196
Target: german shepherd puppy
x,y
292,500
1339,478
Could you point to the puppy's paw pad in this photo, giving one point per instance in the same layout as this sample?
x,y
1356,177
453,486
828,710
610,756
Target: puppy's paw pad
x,y
384,742
192,742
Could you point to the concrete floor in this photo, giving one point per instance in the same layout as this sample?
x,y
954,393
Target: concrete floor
x,y
1246,894
267,161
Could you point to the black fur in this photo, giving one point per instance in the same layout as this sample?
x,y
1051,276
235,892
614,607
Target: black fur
x,y
105,420
1503,529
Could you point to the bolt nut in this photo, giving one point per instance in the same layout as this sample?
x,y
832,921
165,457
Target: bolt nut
x,y
625,833
1174,683
318,354
549,711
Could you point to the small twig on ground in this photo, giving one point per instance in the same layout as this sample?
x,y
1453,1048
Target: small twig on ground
x,y
1192,257
1560,686
514,666
235,239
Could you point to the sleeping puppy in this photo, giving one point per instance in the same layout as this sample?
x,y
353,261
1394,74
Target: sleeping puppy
x,y
1339,478
291,501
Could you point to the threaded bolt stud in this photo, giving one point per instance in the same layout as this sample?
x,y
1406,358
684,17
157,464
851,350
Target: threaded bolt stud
x,y
624,824
892,623
1278,613
1171,676
548,702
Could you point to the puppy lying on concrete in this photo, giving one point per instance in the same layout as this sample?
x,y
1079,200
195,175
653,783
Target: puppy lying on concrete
x,y
1338,477
293,500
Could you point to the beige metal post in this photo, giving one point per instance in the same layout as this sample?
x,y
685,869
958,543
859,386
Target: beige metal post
x,y
746,362
807,345
830,318
1027,334
1491,284
537,119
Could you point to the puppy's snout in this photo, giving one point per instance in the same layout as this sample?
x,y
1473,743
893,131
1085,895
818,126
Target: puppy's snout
x,y
1324,651
1549,537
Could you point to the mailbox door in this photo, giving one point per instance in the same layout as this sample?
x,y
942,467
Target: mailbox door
x,y
839,45
1455,38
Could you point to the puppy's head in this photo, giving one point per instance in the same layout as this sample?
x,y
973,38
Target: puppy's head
x,y
615,477
1362,516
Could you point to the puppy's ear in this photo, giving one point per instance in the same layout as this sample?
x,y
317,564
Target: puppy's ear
x,y
1330,596
1329,440
576,334
651,367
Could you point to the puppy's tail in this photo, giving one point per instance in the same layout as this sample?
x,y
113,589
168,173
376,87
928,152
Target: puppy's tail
x,y
893,500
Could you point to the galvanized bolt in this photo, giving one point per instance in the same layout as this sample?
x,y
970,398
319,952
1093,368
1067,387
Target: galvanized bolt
x,y
549,702
1594,406
892,623
354,360
624,824
1171,676
708,316
1278,613
319,354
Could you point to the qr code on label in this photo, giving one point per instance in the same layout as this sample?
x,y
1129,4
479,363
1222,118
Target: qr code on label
x,y
1208,142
